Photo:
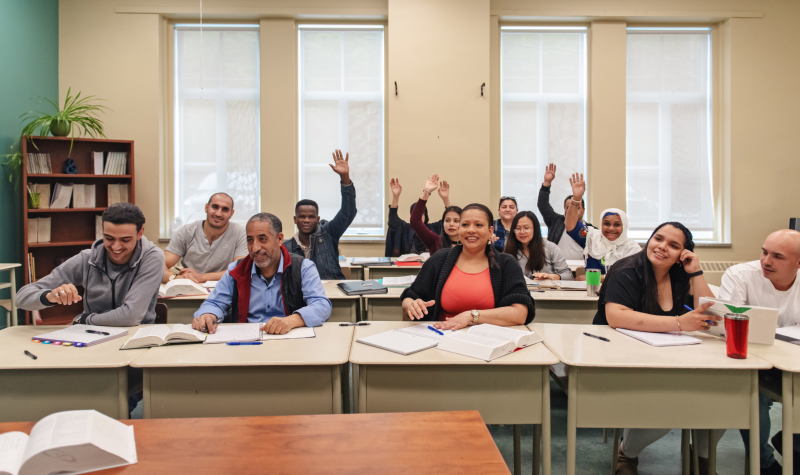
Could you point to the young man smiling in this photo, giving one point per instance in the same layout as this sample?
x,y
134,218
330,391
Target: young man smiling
x,y
120,275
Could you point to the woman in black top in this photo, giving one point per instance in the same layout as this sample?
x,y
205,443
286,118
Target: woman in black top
x,y
648,291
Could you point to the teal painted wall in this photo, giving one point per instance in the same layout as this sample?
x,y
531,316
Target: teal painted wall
x,y
29,59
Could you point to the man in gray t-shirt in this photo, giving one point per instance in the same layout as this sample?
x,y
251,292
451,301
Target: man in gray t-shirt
x,y
207,247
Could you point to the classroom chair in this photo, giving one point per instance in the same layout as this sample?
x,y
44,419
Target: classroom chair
x,y
161,313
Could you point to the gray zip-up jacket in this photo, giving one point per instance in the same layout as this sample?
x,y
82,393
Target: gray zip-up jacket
x,y
128,300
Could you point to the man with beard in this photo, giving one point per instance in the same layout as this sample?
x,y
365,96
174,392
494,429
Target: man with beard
x,y
269,286
206,246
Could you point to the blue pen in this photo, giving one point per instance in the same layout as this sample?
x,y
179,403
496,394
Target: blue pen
x,y
435,330
710,322
237,343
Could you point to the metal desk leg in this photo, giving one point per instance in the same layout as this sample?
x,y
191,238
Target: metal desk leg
x,y
755,449
695,460
788,430
13,281
362,389
615,451
517,456
572,418
122,374
545,423
712,451
685,451
336,382
536,458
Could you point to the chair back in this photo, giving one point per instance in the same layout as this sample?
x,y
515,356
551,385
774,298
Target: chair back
x,y
161,313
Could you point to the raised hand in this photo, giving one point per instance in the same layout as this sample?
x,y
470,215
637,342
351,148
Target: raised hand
x,y
341,166
690,261
432,183
444,190
394,184
578,186
549,174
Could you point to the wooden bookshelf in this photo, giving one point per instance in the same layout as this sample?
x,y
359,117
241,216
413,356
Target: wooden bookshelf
x,y
71,229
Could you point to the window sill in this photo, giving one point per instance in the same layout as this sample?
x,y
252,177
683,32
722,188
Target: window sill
x,y
363,239
703,244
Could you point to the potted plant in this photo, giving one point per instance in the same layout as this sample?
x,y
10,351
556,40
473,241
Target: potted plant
x,y
76,113
13,163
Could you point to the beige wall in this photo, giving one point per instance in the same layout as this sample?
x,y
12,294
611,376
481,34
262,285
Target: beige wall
x,y
121,57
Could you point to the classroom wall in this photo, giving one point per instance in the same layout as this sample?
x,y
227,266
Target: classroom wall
x,y
29,51
758,103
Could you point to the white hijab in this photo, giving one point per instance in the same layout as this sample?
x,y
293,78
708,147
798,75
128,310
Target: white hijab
x,y
609,252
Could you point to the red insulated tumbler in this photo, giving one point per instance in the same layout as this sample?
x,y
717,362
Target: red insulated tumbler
x,y
737,328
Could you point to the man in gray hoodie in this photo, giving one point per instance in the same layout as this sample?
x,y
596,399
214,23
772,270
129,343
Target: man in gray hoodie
x,y
120,275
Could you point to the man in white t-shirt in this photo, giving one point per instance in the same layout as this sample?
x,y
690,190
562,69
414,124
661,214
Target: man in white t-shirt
x,y
770,282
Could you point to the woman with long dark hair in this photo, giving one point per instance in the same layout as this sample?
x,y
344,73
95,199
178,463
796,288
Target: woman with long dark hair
x,y
448,236
649,291
507,209
539,258
470,283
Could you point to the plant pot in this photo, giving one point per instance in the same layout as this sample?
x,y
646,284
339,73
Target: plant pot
x,y
60,128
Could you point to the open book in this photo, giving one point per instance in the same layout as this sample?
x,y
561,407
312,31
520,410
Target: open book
x,y
414,257
406,341
487,342
556,284
159,335
68,442
763,321
661,339
181,287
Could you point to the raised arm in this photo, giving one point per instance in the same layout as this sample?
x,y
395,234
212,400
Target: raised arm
x,y
394,185
578,189
699,286
543,203
347,213
431,240
444,193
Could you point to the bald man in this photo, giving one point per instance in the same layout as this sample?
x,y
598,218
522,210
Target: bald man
x,y
769,282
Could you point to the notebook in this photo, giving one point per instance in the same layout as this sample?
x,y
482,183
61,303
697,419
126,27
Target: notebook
x,y
78,334
231,333
763,321
294,333
367,287
661,339
487,342
372,261
406,341
398,282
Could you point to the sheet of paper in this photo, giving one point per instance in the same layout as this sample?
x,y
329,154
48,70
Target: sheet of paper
x,y
404,280
12,448
791,332
424,330
660,339
243,332
302,332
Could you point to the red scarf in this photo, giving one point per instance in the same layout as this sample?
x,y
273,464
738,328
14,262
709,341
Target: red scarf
x,y
242,275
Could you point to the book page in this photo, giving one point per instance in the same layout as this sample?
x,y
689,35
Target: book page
x,y
423,330
243,332
12,449
660,339
500,333
185,332
160,331
479,339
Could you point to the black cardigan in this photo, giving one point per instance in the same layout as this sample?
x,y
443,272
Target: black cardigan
x,y
508,283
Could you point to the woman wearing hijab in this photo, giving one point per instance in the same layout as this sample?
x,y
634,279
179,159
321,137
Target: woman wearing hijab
x,y
601,247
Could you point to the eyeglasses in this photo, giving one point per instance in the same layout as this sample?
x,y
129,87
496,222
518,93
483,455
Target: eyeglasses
x,y
525,229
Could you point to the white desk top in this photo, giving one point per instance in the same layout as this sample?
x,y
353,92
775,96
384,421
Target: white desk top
x,y
566,295
782,355
360,353
8,266
576,349
331,291
15,340
331,346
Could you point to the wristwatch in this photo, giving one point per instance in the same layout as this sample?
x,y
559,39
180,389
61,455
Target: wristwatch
x,y
475,315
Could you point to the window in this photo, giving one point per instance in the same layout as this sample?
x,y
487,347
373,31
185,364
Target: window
x,y
543,75
668,144
341,107
217,145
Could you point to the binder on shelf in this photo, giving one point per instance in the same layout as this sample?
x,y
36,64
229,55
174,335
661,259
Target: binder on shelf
x,y
43,232
62,194
79,196
33,230
90,196
98,162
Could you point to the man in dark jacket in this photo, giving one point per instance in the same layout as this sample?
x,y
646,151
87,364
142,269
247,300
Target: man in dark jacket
x,y
556,232
317,239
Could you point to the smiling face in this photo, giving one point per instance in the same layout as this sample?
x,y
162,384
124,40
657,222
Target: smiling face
x,y
306,218
524,230
665,247
780,257
612,227
475,230
451,220
120,241
262,244
508,209
219,211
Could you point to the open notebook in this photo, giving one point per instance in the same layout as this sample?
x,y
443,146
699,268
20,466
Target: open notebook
x,y
661,339
406,340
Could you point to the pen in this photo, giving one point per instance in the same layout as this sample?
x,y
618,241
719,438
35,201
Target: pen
x,y
238,343
357,324
30,354
435,330
595,336
710,322
97,332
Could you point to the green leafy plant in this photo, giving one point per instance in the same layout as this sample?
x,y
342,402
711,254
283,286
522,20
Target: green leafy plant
x,y
76,111
13,163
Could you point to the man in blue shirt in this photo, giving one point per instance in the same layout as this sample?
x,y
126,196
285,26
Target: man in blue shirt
x,y
269,286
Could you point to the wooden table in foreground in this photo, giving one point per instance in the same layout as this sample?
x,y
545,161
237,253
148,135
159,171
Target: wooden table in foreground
x,y
280,377
434,442
61,378
628,383
786,357
513,389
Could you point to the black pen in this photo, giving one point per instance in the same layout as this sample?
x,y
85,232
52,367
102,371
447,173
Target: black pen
x,y
595,336
359,324
97,332
30,354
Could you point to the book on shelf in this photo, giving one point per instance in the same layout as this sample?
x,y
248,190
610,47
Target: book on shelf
x,y
33,230
98,227
31,267
39,163
116,163
487,342
62,195
117,193
160,335
38,230
181,287
68,442
98,160
79,195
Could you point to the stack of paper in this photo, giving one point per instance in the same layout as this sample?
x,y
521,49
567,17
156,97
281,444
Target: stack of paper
x,y
62,195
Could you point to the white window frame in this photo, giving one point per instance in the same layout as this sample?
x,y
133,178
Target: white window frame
x,y
543,99
342,97
664,167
